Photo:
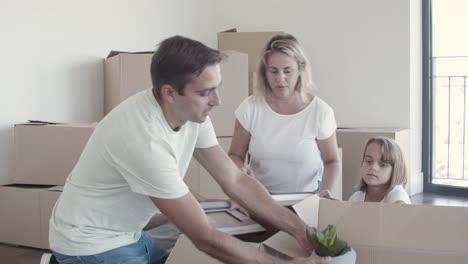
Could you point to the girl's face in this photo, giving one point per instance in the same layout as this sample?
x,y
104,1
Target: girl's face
x,y
282,74
374,172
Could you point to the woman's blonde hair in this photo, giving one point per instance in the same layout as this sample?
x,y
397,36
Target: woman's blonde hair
x,y
286,44
391,154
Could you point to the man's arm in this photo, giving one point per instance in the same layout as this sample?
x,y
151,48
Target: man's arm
x,y
250,193
186,213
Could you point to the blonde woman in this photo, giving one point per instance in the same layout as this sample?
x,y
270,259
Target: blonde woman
x,y
288,132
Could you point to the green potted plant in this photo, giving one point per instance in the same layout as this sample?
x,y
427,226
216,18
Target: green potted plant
x,y
326,243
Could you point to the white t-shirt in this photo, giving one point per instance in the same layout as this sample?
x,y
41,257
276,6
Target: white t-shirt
x,y
132,154
284,153
398,193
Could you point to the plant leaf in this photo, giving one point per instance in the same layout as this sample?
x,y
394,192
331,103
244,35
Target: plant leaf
x,y
330,235
312,239
319,236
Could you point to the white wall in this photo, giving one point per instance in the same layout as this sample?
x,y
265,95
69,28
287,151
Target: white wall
x,y
365,54
52,54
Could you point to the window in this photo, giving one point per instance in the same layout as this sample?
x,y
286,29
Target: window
x,y
445,98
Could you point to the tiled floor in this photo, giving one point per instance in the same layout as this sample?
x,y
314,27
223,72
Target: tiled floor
x,y
10,254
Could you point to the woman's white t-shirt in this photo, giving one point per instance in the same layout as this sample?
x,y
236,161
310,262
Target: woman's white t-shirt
x,y
283,148
398,193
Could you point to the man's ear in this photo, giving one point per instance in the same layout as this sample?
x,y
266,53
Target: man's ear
x,y
168,92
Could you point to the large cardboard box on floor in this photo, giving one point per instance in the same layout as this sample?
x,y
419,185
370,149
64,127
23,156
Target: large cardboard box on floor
x,y
26,211
386,233
353,141
46,153
125,74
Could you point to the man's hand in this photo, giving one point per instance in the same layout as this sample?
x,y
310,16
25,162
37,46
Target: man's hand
x,y
303,241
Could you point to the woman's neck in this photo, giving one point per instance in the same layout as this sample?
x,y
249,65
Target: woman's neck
x,y
288,106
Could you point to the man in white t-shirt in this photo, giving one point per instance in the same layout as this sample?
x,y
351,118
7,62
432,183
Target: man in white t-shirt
x,y
134,163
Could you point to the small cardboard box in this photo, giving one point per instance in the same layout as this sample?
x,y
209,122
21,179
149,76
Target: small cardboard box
x,y
125,74
353,141
386,233
233,90
251,43
26,211
46,153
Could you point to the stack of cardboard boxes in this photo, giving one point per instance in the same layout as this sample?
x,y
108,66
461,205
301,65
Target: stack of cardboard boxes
x,y
45,155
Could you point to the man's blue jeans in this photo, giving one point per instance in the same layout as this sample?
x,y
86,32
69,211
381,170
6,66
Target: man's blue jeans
x,y
144,251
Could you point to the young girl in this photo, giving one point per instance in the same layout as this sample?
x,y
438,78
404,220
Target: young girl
x,y
383,173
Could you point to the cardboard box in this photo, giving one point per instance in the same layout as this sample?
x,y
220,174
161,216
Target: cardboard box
x,y
185,252
26,211
46,153
386,233
353,141
129,73
125,73
251,43
233,90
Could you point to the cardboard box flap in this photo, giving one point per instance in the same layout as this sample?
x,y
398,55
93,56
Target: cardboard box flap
x,y
56,124
113,53
308,210
285,244
185,251
37,123
231,30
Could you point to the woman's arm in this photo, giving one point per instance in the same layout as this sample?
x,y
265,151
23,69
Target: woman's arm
x,y
239,145
332,165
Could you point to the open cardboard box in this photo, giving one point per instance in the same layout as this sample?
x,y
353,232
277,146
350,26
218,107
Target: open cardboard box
x,y
386,233
185,252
